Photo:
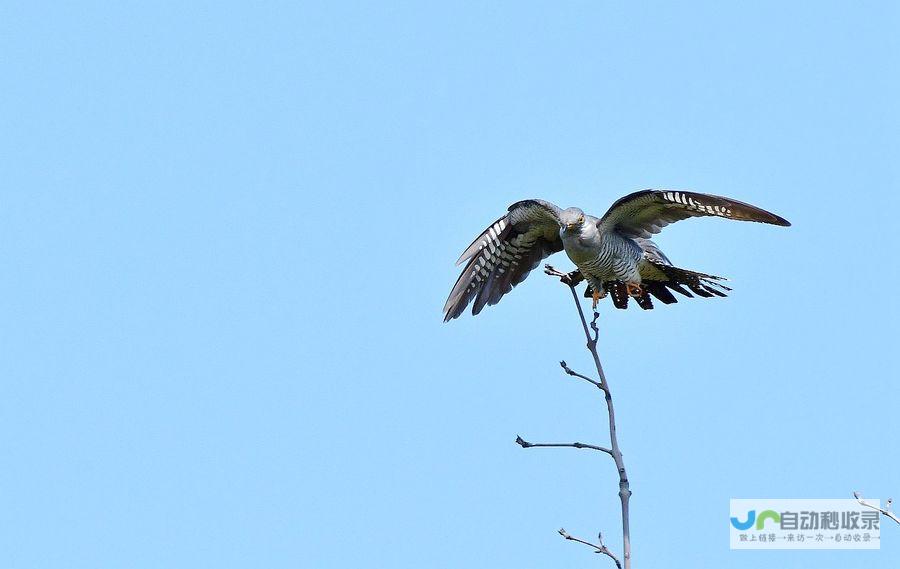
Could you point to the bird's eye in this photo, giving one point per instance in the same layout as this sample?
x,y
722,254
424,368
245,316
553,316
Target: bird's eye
x,y
581,219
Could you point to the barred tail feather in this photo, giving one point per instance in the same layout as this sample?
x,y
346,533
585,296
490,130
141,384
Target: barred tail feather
x,y
701,284
619,294
660,291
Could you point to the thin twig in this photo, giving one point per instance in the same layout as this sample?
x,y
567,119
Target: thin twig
x,y
525,444
569,371
594,327
571,279
886,510
597,548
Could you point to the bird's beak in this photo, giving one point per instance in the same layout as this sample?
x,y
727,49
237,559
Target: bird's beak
x,y
569,226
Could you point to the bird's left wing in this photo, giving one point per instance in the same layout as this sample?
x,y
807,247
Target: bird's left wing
x,y
503,255
645,213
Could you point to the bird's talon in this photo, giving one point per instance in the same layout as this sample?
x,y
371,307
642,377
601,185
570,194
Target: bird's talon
x,y
551,270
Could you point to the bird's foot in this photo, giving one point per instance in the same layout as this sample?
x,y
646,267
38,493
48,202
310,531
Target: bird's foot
x,y
634,290
596,297
570,279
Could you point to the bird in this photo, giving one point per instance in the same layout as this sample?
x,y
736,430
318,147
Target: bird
x,y
613,253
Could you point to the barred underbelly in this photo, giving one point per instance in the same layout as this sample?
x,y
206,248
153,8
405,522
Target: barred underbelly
x,y
596,273
607,268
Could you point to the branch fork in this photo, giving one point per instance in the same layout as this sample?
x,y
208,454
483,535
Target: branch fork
x,y
601,548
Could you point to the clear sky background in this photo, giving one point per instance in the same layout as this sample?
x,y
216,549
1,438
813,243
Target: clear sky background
x,y
227,232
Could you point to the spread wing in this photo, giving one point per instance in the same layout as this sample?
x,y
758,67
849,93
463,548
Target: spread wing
x,y
645,213
503,255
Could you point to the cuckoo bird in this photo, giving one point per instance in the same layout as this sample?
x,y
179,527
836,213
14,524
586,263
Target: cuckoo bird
x,y
613,253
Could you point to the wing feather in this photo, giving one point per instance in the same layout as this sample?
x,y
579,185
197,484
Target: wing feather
x,y
645,213
503,255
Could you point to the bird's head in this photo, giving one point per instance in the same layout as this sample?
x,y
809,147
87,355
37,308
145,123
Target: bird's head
x,y
571,219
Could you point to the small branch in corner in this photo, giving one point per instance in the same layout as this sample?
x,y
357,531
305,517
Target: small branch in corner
x,y
601,548
886,511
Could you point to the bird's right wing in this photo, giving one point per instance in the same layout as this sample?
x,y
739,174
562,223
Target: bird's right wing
x,y
503,255
645,213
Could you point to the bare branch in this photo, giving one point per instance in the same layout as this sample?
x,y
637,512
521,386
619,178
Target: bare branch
x,y
569,371
886,511
615,453
601,548
525,444
570,280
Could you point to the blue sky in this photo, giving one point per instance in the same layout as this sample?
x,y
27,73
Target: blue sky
x,y
227,232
